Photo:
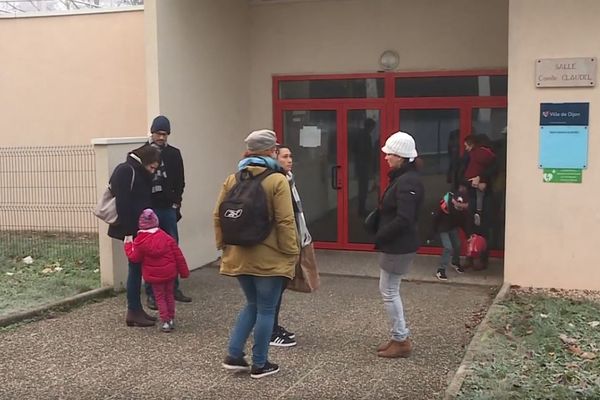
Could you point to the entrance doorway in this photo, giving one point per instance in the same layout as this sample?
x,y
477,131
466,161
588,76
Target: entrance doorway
x,y
336,126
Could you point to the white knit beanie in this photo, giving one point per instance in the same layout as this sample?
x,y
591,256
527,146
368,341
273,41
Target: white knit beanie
x,y
402,145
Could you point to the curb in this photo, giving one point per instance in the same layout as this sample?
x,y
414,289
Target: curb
x,y
461,373
60,304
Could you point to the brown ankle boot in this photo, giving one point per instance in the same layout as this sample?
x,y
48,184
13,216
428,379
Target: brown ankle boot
x,y
397,349
383,346
148,316
137,318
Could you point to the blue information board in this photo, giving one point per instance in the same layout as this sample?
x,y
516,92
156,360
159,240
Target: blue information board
x,y
563,147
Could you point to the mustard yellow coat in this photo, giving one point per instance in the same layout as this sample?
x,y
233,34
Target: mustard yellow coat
x,y
278,254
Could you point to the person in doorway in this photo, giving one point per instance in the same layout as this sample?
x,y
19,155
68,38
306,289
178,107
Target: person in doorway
x,y
261,269
167,192
365,160
131,184
452,215
162,261
396,238
479,170
282,337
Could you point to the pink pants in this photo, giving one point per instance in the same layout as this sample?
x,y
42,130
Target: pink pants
x,y
165,299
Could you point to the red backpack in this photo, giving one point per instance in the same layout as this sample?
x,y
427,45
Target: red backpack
x,y
476,245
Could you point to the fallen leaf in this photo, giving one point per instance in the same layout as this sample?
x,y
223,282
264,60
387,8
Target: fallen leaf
x,y
594,324
588,355
567,340
10,273
575,349
58,269
543,315
47,270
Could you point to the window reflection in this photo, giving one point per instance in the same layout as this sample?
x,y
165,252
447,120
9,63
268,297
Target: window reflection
x,y
331,89
452,86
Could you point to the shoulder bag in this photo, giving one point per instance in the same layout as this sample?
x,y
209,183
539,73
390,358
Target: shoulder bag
x,y
106,209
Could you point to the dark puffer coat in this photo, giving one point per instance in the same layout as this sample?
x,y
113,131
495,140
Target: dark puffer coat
x,y
131,200
399,210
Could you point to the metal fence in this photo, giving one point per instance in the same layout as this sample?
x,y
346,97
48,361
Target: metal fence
x,y
47,195
18,8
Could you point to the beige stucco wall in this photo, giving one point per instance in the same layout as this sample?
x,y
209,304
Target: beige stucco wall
x,y
551,238
345,36
210,65
68,79
199,70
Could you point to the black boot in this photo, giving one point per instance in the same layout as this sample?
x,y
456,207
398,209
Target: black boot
x,y
179,296
151,303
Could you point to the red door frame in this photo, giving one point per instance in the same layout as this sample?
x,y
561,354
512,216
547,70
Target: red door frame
x,y
389,107
341,107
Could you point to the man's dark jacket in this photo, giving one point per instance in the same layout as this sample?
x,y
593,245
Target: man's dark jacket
x,y
399,210
130,201
174,183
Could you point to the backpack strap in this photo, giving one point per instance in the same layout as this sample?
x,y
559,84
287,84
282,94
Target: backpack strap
x,y
245,174
132,178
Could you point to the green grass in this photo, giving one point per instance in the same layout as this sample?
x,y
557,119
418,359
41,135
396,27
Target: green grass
x,y
63,265
523,356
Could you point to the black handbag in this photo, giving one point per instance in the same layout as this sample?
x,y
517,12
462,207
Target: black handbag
x,y
372,221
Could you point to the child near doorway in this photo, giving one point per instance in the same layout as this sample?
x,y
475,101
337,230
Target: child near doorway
x,y
162,260
452,215
481,161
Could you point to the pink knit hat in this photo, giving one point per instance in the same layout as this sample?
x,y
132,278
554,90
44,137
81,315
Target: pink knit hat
x,y
148,219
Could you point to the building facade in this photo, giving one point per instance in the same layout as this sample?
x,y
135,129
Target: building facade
x,y
335,78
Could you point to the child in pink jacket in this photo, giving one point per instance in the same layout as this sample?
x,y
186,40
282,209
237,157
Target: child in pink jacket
x,y
162,260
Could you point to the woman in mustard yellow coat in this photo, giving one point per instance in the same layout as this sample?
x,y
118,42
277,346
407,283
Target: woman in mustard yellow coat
x,y
261,269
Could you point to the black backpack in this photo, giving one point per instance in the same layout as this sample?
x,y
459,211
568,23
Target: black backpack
x,y
244,213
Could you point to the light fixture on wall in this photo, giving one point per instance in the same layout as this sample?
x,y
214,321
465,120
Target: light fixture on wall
x,y
389,60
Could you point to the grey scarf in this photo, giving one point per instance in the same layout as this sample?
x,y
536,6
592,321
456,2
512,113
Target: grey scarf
x,y
303,234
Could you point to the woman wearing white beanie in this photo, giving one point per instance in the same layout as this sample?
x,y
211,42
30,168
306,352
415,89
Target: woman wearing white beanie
x,y
396,236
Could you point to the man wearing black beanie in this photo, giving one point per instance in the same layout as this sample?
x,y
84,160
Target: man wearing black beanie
x,y
167,190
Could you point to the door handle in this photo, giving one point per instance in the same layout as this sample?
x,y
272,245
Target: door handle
x,y
334,177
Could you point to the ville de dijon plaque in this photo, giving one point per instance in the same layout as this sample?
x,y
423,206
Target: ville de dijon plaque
x,y
565,72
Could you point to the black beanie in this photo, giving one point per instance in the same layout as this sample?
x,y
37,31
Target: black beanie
x,y
161,123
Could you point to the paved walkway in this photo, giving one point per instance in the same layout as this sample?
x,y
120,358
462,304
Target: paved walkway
x,y
89,353
363,263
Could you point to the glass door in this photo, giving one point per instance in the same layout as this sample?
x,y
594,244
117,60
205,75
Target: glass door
x,y
312,136
489,124
363,166
437,136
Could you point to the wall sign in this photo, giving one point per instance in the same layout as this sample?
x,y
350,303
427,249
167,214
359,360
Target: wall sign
x,y
564,114
560,175
565,72
563,137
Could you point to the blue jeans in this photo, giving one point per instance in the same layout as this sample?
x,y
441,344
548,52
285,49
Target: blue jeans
x,y
134,286
451,243
389,287
167,221
262,294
